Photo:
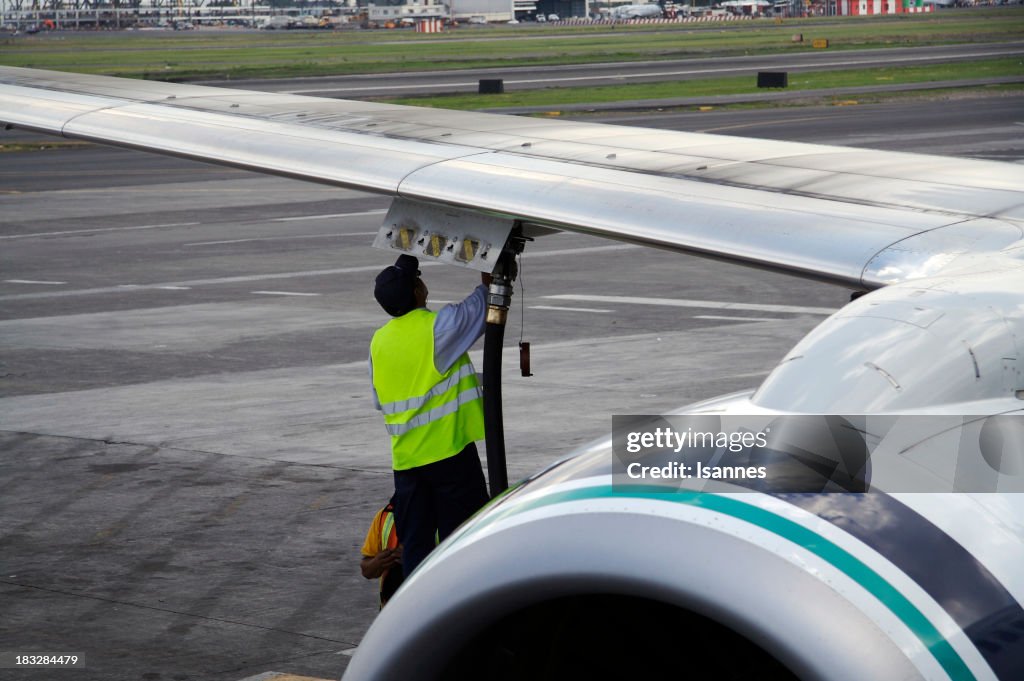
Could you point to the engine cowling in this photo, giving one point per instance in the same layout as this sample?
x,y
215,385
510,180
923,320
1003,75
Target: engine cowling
x,y
946,344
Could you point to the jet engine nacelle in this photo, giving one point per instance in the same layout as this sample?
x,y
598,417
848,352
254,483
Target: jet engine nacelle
x,y
944,344
568,577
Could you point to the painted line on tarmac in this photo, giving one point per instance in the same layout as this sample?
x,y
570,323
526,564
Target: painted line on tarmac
x,y
705,304
97,230
245,278
283,293
277,238
100,230
197,282
748,374
32,281
576,251
737,319
568,309
297,218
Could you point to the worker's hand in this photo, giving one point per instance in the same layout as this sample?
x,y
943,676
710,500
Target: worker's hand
x,y
486,278
390,557
374,566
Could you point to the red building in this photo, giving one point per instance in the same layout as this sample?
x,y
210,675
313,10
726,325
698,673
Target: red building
x,y
874,7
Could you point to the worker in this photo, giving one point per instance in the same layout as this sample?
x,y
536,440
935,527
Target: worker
x,y
382,553
425,384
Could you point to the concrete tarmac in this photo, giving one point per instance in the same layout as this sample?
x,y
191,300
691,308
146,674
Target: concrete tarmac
x,y
190,457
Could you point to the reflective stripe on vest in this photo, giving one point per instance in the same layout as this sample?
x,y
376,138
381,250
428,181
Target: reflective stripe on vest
x,y
439,389
429,415
464,397
389,528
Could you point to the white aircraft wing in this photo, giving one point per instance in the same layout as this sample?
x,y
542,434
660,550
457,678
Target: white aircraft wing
x,y
861,218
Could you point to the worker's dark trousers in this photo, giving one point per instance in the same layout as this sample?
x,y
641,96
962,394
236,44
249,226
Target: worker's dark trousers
x,y
438,496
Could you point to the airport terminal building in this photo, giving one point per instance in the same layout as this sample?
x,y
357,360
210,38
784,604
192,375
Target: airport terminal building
x,y
505,10
186,13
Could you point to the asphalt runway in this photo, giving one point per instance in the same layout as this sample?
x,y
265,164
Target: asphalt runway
x,y
591,75
190,455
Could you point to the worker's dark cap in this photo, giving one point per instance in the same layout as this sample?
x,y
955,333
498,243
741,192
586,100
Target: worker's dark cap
x,y
394,287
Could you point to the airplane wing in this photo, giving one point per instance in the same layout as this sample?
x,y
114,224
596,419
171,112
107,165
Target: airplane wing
x,y
859,218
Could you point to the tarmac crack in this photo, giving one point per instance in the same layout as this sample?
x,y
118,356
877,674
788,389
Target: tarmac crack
x,y
171,448
175,612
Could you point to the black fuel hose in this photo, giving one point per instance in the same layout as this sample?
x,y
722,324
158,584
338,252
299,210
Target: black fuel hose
x,y
494,424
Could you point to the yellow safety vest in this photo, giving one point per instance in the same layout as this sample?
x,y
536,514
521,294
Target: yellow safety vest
x,y
430,416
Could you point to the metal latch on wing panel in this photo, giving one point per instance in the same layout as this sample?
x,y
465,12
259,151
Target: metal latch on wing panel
x,y
447,234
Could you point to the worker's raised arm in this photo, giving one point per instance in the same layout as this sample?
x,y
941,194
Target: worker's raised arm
x,y
459,325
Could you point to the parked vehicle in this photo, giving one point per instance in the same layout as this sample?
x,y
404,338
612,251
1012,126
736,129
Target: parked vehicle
x,y
275,23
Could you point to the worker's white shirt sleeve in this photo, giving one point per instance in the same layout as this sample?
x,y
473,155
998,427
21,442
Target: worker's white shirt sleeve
x,y
457,327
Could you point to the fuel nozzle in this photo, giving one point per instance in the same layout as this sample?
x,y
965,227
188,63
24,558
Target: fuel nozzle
x,y
499,294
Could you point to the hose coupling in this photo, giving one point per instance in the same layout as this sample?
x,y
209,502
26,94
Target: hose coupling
x,y
499,298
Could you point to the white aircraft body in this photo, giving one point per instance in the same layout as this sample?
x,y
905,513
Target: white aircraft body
x,y
570,575
637,11
276,23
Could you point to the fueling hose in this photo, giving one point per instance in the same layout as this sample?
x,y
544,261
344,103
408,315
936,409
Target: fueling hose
x,y
497,473
499,297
